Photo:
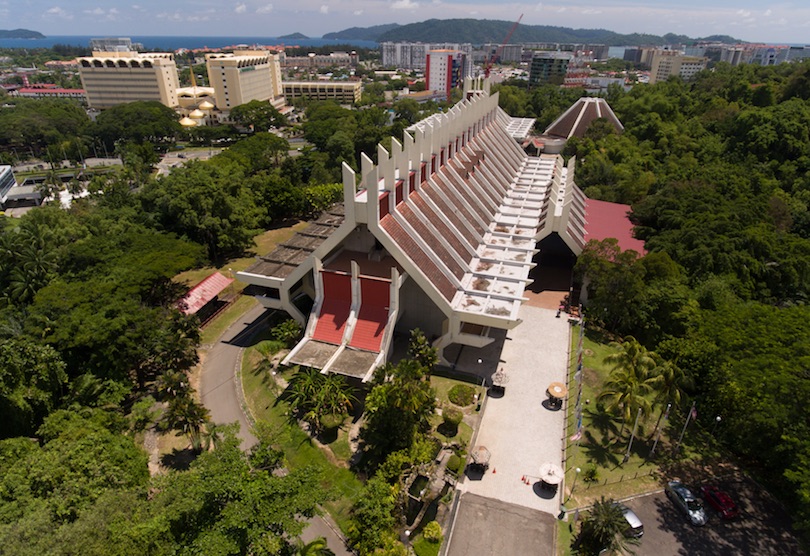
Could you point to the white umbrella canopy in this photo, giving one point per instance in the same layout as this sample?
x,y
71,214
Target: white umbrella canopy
x,y
551,473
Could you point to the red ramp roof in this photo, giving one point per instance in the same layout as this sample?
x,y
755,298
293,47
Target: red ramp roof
x,y
202,293
605,220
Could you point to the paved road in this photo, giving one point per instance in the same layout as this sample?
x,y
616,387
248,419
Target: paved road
x,y
217,379
218,390
763,529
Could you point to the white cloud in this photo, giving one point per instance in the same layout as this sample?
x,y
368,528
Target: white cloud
x,y
768,13
404,5
324,9
56,11
95,11
240,8
744,13
591,11
170,17
538,7
358,12
266,9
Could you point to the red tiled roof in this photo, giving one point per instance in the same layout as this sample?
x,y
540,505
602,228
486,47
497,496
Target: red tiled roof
x,y
606,220
202,293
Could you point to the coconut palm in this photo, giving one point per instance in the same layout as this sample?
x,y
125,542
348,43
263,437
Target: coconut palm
x,y
316,547
668,383
631,381
602,530
187,417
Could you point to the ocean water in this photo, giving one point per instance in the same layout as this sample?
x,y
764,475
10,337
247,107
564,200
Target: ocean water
x,y
172,43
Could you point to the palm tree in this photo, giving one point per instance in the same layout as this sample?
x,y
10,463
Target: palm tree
x,y
631,380
316,547
188,417
603,530
668,382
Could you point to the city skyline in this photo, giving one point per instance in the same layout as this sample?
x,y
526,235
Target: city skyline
x,y
743,19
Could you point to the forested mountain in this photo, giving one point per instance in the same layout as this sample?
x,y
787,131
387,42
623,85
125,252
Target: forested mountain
x,y
479,31
20,34
362,33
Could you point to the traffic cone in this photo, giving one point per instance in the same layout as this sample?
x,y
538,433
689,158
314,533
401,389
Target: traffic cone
x,y
493,471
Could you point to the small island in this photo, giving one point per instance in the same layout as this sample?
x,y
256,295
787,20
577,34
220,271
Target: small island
x,y
294,37
20,34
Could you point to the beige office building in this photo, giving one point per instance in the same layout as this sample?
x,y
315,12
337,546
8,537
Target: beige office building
x,y
342,92
668,62
243,76
112,78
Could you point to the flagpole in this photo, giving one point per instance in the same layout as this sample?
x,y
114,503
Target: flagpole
x,y
658,432
632,436
686,424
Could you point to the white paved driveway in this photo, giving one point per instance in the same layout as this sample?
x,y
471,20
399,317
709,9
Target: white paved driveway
x,y
518,429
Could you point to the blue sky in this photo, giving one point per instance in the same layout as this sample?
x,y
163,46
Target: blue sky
x,y
783,22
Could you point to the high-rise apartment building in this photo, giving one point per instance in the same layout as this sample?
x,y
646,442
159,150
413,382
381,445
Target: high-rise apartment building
x,y
445,70
413,55
245,75
549,67
666,63
112,78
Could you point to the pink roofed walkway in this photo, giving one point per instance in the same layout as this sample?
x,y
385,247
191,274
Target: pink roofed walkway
x,y
202,293
610,220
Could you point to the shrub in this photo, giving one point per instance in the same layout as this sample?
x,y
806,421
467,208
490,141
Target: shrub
x,y
591,474
461,394
288,332
453,464
433,532
452,416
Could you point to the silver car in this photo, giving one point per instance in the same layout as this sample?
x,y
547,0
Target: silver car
x,y
686,502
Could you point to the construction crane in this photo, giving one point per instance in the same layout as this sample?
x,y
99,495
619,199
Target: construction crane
x,y
498,51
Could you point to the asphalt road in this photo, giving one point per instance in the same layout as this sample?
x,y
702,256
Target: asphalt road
x,y
763,528
218,391
487,527
217,379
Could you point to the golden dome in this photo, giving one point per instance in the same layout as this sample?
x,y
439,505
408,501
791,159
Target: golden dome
x,y
196,114
187,122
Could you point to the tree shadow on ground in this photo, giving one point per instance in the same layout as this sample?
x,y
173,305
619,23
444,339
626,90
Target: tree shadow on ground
x,y
600,451
179,460
602,420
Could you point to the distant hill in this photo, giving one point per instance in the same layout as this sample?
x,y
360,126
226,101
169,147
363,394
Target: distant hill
x,y
294,37
362,33
479,31
20,34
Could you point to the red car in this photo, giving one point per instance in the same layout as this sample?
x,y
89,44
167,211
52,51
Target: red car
x,y
720,501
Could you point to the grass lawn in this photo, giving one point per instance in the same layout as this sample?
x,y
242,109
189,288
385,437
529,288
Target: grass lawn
x,y
601,446
299,450
565,535
443,385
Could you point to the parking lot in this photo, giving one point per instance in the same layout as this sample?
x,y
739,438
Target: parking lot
x,y
763,528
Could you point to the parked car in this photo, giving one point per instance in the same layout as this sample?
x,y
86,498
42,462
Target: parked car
x,y
634,528
720,501
686,502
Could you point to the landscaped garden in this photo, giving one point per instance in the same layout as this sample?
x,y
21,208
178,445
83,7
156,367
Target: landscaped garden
x,y
406,434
